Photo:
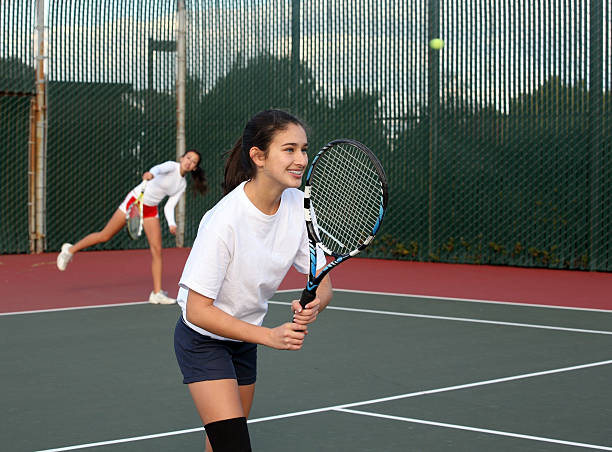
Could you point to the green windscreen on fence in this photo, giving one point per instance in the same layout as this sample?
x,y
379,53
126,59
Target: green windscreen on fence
x,y
497,146
17,88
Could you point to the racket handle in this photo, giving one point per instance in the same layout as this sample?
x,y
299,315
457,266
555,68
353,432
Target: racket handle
x,y
307,297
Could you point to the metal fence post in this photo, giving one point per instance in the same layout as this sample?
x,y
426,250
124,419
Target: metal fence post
x,y
433,105
295,51
180,113
595,129
39,155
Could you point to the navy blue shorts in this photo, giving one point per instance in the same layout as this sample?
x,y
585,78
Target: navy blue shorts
x,y
203,358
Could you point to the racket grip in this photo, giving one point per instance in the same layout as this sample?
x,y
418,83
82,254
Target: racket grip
x,y
307,297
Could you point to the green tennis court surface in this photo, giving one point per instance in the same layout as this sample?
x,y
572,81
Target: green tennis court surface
x,y
378,373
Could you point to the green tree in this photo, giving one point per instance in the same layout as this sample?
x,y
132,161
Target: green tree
x,y
95,153
216,117
17,81
506,187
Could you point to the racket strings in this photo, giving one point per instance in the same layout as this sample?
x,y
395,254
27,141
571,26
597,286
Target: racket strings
x,y
346,197
133,219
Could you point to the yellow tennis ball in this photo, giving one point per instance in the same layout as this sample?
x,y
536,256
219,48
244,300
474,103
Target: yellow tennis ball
x,y
436,43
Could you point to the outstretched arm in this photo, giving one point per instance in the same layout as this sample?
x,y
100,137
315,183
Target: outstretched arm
x,y
169,210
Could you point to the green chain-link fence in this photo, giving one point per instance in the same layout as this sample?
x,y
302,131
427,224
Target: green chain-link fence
x,y
17,90
497,147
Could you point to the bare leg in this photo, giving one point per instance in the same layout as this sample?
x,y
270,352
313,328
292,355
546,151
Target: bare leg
x,y
153,232
113,226
216,400
246,397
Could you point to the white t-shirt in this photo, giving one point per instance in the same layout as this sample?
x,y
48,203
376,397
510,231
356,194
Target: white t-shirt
x,y
167,182
241,255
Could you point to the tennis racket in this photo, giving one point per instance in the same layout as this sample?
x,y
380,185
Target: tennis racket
x,y
134,215
345,197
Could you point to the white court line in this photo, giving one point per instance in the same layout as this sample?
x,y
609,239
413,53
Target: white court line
x,y
365,292
346,405
124,440
74,308
467,300
459,319
478,430
440,390
366,311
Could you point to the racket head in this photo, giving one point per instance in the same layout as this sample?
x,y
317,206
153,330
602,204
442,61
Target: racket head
x,y
133,220
134,214
346,195
345,198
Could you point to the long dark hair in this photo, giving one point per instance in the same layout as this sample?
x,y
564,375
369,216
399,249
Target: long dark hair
x,y
198,177
258,132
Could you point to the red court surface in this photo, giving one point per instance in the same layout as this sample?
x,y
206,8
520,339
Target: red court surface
x,y
32,282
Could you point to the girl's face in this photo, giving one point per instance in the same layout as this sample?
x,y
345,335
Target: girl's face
x,y
287,157
189,162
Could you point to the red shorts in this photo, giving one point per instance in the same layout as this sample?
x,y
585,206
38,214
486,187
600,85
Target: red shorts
x,y
147,211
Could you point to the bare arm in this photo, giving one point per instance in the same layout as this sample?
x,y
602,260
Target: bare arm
x,y
169,210
202,312
325,292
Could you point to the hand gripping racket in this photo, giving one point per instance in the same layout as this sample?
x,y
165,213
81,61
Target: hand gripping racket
x,y
134,215
345,198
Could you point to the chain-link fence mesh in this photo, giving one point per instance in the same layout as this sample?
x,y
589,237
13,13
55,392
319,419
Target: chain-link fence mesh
x,y
16,94
497,147
112,110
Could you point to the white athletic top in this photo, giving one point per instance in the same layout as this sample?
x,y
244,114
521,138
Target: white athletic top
x,y
241,255
167,182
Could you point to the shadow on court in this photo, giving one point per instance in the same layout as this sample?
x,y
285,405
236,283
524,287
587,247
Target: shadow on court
x,y
378,373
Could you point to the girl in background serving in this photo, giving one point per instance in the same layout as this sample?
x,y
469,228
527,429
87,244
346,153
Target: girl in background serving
x,y
165,179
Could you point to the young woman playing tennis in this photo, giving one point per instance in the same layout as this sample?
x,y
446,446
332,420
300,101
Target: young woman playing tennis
x,y
165,179
245,246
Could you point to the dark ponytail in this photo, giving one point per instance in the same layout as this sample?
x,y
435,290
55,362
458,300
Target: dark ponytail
x,y
258,132
238,168
198,177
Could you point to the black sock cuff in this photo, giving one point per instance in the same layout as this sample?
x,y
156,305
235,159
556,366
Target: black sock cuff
x,y
229,435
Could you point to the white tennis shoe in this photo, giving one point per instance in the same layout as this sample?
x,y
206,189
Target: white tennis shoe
x,y
161,297
64,257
